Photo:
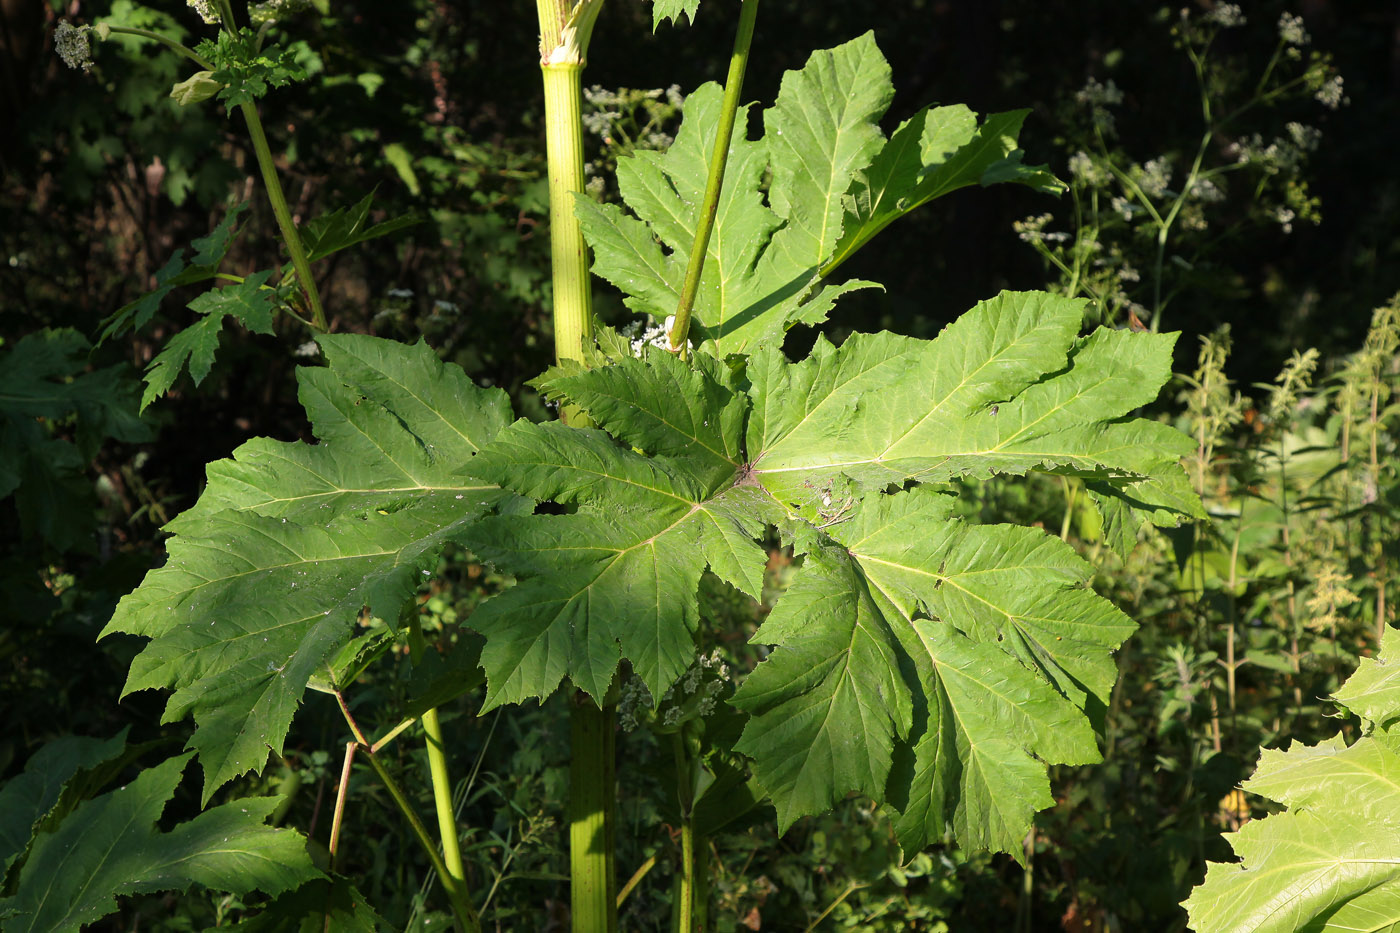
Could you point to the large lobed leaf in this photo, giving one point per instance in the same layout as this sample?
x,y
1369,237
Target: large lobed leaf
x,y
1332,861
111,845
618,577
268,572
1007,388
835,183
930,663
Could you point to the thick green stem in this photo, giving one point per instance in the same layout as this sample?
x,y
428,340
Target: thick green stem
x,y
573,298
685,901
705,224
565,27
278,200
591,790
462,907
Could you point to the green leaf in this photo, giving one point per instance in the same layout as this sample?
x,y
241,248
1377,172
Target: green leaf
x,y
209,253
822,132
759,279
980,400
110,845
248,302
1332,861
191,348
662,406
247,67
27,798
268,572
1373,692
616,579
346,227
835,183
962,650
935,152
662,10
829,705
317,906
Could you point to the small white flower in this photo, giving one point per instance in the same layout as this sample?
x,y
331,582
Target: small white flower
x,y
1124,207
1031,228
1156,175
1290,29
1203,189
1285,217
1095,94
206,10
1226,15
1305,138
1330,94
310,348
71,44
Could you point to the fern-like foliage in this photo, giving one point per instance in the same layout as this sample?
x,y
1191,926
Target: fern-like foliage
x,y
1331,863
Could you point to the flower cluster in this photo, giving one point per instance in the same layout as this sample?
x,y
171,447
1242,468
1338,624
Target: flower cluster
x,y
1330,94
1154,176
71,44
693,697
206,10
641,336
1226,15
1291,31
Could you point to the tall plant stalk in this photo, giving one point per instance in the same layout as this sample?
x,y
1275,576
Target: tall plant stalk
x,y
565,28
276,197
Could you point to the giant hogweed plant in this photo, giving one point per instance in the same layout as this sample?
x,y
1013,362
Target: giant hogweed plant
x,y
933,664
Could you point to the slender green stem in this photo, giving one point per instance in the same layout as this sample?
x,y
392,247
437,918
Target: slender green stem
x,y
163,40
705,224
851,888
462,907
591,792
437,769
636,879
442,797
278,200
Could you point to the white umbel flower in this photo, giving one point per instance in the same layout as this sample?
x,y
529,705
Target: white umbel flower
x,y
206,10
71,44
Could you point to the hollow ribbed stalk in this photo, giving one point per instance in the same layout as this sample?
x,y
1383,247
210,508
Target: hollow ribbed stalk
x,y
565,28
719,157
573,298
591,843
